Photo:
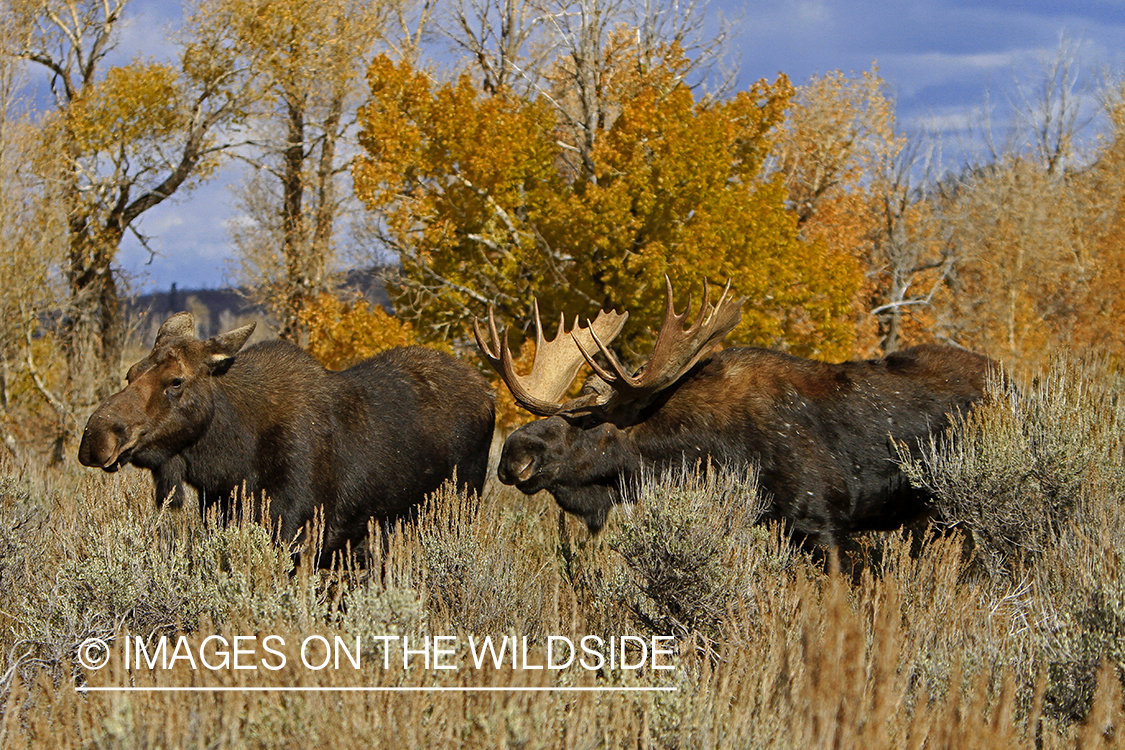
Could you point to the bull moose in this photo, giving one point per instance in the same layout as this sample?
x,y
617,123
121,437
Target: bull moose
x,y
822,435
367,442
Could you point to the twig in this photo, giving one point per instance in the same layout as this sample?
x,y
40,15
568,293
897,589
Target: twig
x,y
41,386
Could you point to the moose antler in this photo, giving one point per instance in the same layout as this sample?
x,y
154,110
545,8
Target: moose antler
x,y
677,349
556,361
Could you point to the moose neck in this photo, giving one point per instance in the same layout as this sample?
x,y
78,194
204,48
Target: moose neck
x,y
246,401
227,437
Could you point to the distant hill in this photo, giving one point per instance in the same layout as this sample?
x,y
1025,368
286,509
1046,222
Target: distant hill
x,y
218,310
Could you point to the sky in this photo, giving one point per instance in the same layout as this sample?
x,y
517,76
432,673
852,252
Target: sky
x,y
948,64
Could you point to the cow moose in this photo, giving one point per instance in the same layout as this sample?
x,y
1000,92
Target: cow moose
x,y
822,435
367,442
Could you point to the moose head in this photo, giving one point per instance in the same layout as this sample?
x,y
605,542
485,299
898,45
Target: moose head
x,y
588,448
168,402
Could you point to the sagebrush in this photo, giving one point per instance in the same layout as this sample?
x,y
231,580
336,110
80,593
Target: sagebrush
x,y
924,646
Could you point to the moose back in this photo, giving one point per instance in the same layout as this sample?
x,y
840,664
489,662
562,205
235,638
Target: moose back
x,y
368,442
823,436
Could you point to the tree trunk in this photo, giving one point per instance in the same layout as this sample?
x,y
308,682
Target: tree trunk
x,y
292,224
325,190
92,330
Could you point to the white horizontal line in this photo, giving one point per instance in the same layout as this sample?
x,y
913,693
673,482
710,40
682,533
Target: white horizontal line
x,y
436,689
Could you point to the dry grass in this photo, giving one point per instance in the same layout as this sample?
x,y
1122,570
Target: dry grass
x,y
1017,643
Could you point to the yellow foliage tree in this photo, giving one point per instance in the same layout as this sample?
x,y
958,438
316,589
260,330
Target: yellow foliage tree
x,y
342,333
852,181
309,59
1029,232
125,139
32,238
1029,237
1102,316
1040,260
480,200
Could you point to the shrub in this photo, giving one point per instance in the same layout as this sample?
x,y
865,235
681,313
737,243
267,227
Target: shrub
x,y
1080,617
374,610
685,544
1034,476
1026,462
105,559
479,573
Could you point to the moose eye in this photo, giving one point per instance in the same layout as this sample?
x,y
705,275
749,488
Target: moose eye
x,y
175,386
584,421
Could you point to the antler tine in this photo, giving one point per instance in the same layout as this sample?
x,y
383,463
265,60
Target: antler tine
x,y
538,323
703,307
492,358
731,309
677,349
670,307
609,377
723,299
556,360
499,355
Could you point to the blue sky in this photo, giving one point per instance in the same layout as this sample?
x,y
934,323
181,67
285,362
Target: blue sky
x,y
942,59
945,62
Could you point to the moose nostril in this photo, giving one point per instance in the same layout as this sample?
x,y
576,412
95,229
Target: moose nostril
x,y
525,471
97,447
518,467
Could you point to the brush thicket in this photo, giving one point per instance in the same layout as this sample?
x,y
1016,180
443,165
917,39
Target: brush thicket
x,y
1005,631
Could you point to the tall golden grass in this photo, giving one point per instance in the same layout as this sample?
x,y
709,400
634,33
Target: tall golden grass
x,y
976,639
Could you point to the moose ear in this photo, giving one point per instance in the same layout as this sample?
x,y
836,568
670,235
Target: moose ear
x,y
180,325
220,349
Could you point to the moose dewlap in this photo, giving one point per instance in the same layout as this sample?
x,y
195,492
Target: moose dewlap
x,y
367,442
822,435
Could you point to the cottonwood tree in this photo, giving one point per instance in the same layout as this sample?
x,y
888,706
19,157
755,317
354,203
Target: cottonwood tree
x,y
31,241
858,185
309,58
1019,258
129,137
504,41
478,196
577,161
584,57
1053,115
1102,321
911,260
1025,224
837,132
836,129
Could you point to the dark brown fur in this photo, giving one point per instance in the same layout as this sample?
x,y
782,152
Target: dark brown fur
x,y
821,435
368,442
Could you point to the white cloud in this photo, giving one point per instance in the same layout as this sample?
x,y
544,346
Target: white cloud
x,y
813,12
912,73
947,120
